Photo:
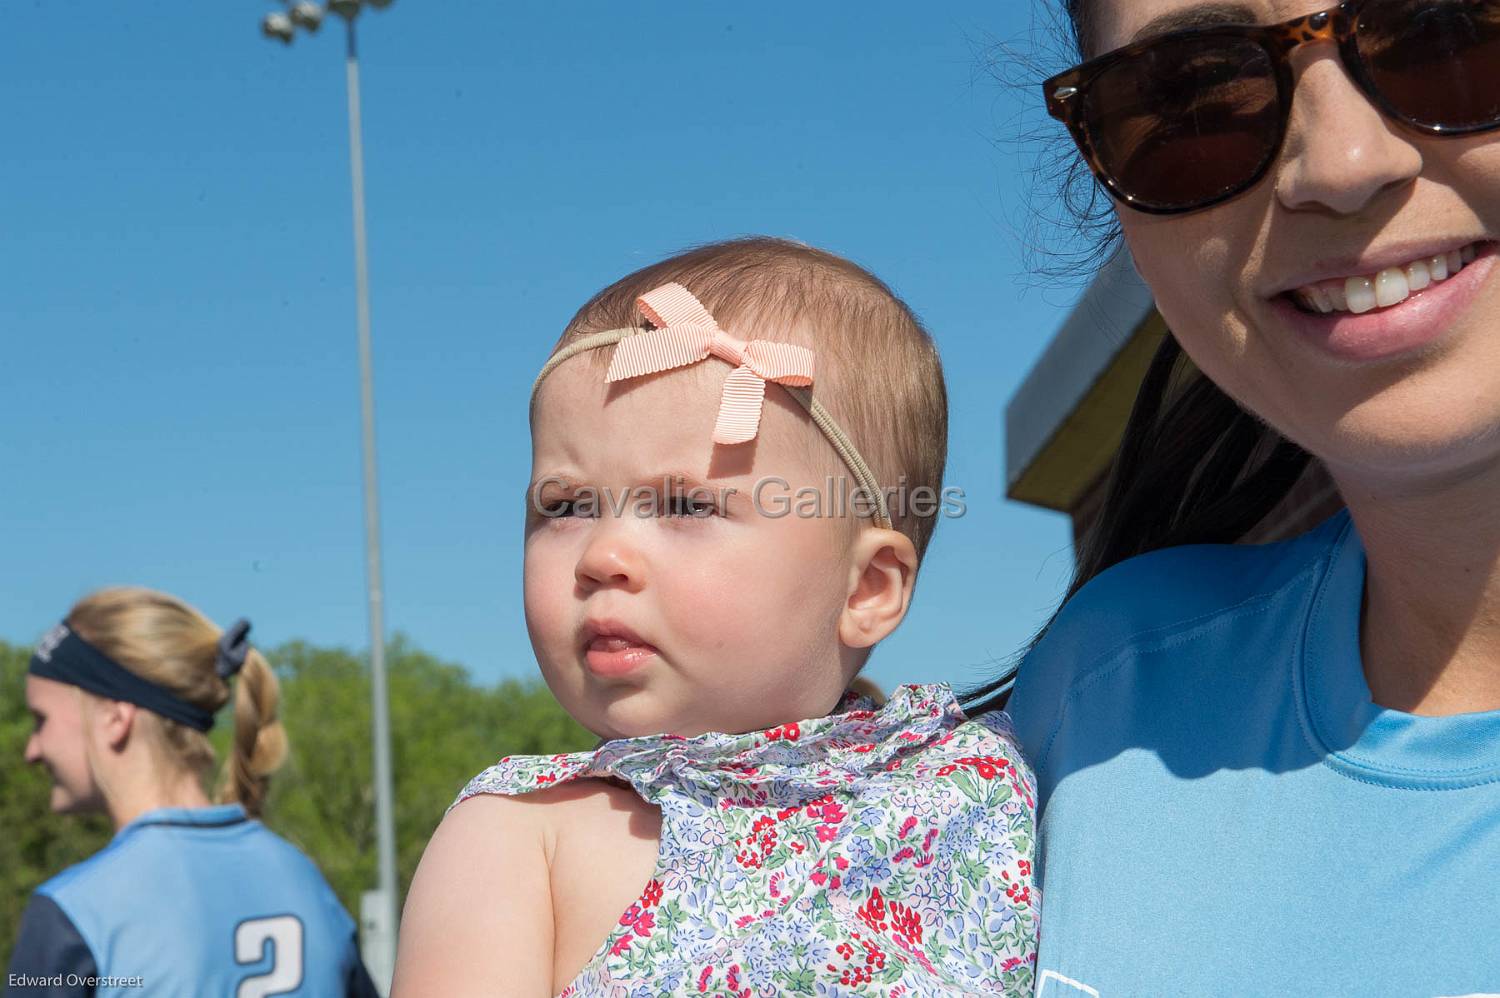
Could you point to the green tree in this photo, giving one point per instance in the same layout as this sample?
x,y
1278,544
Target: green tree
x,y
445,728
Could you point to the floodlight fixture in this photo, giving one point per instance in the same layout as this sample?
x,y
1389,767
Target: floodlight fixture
x,y
307,15
278,26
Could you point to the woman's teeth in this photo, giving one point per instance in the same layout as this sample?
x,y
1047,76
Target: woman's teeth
x,y
1389,287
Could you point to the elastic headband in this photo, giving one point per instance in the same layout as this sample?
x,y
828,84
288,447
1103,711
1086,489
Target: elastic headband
x,y
686,334
66,658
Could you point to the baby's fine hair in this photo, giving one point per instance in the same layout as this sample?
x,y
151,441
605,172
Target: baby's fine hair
x,y
877,369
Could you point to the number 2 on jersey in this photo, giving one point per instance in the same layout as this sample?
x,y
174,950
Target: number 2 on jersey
x,y
284,933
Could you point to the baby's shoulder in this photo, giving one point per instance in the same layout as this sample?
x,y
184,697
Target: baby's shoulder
x,y
598,843
510,886
556,811
527,775
591,807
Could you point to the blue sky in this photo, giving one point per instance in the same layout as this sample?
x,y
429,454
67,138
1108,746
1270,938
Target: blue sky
x,y
179,388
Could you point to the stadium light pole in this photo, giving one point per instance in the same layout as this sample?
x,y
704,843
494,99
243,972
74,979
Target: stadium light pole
x,y
377,908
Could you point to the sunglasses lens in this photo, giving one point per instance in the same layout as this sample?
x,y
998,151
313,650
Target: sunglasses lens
x,y
1437,64
1187,122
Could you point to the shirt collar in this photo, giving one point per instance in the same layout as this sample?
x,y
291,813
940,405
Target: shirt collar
x,y
1364,740
213,816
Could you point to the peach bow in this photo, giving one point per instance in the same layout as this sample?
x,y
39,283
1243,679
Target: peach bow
x,y
688,334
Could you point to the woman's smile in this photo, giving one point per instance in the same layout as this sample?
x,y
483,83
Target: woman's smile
x,y
1352,323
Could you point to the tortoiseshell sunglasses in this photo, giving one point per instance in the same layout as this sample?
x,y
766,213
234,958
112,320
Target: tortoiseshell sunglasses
x,y
1189,119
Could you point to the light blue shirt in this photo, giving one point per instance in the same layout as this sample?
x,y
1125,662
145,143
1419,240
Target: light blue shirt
x,y
189,902
1226,812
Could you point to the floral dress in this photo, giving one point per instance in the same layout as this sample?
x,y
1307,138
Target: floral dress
x,y
870,852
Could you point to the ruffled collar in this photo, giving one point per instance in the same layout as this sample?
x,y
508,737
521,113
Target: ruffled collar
x,y
854,742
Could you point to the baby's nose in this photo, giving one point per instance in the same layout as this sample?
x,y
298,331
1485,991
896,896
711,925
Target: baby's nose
x,y
609,559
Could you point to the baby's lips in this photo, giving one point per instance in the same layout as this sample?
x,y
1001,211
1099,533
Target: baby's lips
x,y
606,629
610,643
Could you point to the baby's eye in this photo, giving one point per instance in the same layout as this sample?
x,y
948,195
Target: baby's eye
x,y
557,509
686,505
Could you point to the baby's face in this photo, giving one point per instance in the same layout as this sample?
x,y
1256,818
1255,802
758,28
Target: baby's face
x,y
688,609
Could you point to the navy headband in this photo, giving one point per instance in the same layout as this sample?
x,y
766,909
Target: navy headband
x,y
66,658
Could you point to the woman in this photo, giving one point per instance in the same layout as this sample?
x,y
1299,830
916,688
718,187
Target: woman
x,y
1276,769
190,897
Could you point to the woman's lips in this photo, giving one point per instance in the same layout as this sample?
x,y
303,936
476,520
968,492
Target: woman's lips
x,y
610,656
1411,325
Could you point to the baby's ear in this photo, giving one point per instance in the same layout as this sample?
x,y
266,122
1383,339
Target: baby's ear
x,y
882,572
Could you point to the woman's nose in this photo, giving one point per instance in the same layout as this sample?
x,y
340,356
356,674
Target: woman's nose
x,y
1341,152
33,753
610,557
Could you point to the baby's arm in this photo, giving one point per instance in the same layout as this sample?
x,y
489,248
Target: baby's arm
x,y
478,918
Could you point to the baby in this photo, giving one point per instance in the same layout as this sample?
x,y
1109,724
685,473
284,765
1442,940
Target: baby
x,y
709,561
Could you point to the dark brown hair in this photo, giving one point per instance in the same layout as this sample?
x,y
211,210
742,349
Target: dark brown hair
x,y
1193,467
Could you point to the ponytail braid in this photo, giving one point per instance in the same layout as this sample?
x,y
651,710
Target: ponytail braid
x,y
259,745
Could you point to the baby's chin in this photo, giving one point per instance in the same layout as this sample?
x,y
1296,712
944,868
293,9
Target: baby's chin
x,y
624,712
637,713
611,727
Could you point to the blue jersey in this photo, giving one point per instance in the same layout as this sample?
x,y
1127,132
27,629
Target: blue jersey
x,y
1224,809
188,902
